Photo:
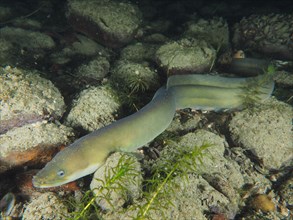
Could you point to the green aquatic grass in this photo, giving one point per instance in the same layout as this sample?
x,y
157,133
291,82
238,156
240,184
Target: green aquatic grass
x,y
160,187
134,93
115,179
137,84
252,89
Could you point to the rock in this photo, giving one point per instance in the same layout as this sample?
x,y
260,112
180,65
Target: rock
x,y
185,56
94,71
194,198
155,38
269,35
214,183
158,25
94,108
183,123
117,182
27,39
263,202
286,191
134,77
252,178
215,166
284,78
21,47
25,95
27,23
265,130
82,47
27,98
47,206
139,52
31,144
214,31
112,23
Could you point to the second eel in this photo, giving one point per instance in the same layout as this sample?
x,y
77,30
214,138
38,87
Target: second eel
x,y
204,92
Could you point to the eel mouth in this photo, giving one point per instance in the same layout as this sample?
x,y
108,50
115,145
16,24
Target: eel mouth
x,y
43,183
37,182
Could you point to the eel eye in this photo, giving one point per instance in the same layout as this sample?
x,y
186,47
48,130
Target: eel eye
x,y
60,173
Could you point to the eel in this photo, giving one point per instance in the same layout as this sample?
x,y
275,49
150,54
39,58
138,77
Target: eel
x,y
205,92
248,66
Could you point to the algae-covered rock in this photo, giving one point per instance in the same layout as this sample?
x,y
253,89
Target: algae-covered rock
x,y
215,166
117,182
27,39
214,31
95,70
286,191
139,52
266,131
27,103
26,97
184,123
269,35
155,38
82,47
189,202
112,23
134,77
27,23
185,56
193,198
211,181
94,108
31,144
284,78
47,206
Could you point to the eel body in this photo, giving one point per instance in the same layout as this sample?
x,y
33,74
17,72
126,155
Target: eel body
x,y
205,92
248,66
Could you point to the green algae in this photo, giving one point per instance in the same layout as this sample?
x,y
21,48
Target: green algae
x,y
115,179
160,187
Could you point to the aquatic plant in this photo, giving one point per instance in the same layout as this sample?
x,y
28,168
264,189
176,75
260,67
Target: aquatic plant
x,y
83,208
132,89
253,88
271,70
138,83
115,179
159,188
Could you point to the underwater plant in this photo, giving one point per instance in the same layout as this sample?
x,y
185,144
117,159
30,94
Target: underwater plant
x,y
137,83
115,179
252,89
159,188
135,90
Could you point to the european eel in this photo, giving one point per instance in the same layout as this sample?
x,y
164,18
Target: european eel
x,y
248,66
205,92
